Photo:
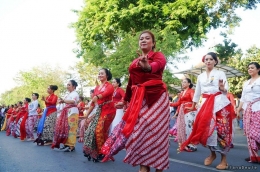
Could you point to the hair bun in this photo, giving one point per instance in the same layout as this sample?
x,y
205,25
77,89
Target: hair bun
x,y
203,58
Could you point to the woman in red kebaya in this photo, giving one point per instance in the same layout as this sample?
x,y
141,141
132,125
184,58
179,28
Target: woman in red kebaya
x,y
45,130
21,130
118,96
185,118
143,130
81,106
19,117
97,131
16,113
39,111
9,117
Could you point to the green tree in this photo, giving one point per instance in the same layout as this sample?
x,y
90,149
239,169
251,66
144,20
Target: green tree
x,y
241,62
107,30
35,80
227,50
85,74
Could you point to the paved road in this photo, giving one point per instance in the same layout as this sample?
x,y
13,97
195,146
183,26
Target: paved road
x,y
27,157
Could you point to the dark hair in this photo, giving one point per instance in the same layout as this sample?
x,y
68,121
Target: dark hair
x,y
108,73
12,106
28,99
92,91
170,98
39,105
20,102
74,83
256,65
152,35
81,97
36,94
214,56
118,82
53,87
239,96
189,81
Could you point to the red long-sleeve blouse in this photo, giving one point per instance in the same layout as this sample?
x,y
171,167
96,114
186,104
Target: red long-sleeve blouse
x,y
137,76
51,100
184,98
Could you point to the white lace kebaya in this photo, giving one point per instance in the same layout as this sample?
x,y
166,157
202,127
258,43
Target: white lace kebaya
x,y
209,85
250,93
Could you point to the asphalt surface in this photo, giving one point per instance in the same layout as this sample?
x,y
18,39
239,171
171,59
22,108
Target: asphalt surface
x,y
28,157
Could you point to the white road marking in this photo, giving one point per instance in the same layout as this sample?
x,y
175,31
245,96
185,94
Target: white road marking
x,y
196,165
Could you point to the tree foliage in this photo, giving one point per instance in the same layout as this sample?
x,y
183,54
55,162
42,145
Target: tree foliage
x,y
85,74
107,30
241,62
35,80
227,50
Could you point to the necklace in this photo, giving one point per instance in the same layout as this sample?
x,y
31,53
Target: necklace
x,y
101,86
48,97
114,94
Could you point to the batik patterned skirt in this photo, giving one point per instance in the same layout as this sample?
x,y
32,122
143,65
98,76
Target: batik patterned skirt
x,y
252,130
148,144
97,132
73,126
17,132
49,126
221,138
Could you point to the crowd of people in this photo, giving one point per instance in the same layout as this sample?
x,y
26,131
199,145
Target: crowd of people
x,y
138,118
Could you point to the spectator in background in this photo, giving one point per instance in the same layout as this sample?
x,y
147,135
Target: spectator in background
x,y
2,114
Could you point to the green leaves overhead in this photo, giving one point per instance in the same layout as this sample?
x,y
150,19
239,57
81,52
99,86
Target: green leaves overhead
x,y
107,30
240,61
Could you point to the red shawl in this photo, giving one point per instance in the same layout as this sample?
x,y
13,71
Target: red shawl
x,y
62,127
132,112
201,127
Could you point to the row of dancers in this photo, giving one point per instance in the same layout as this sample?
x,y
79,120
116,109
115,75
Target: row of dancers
x,y
142,129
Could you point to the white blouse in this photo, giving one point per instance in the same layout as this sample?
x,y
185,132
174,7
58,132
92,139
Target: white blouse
x,y
209,85
250,93
75,97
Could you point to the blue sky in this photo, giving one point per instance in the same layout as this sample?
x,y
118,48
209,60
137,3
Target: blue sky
x,y
35,32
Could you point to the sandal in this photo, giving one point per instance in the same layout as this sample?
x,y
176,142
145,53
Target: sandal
x,y
247,159
64,148
88,156
187,149
190,149
70,149
222,167
47,143
208,161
